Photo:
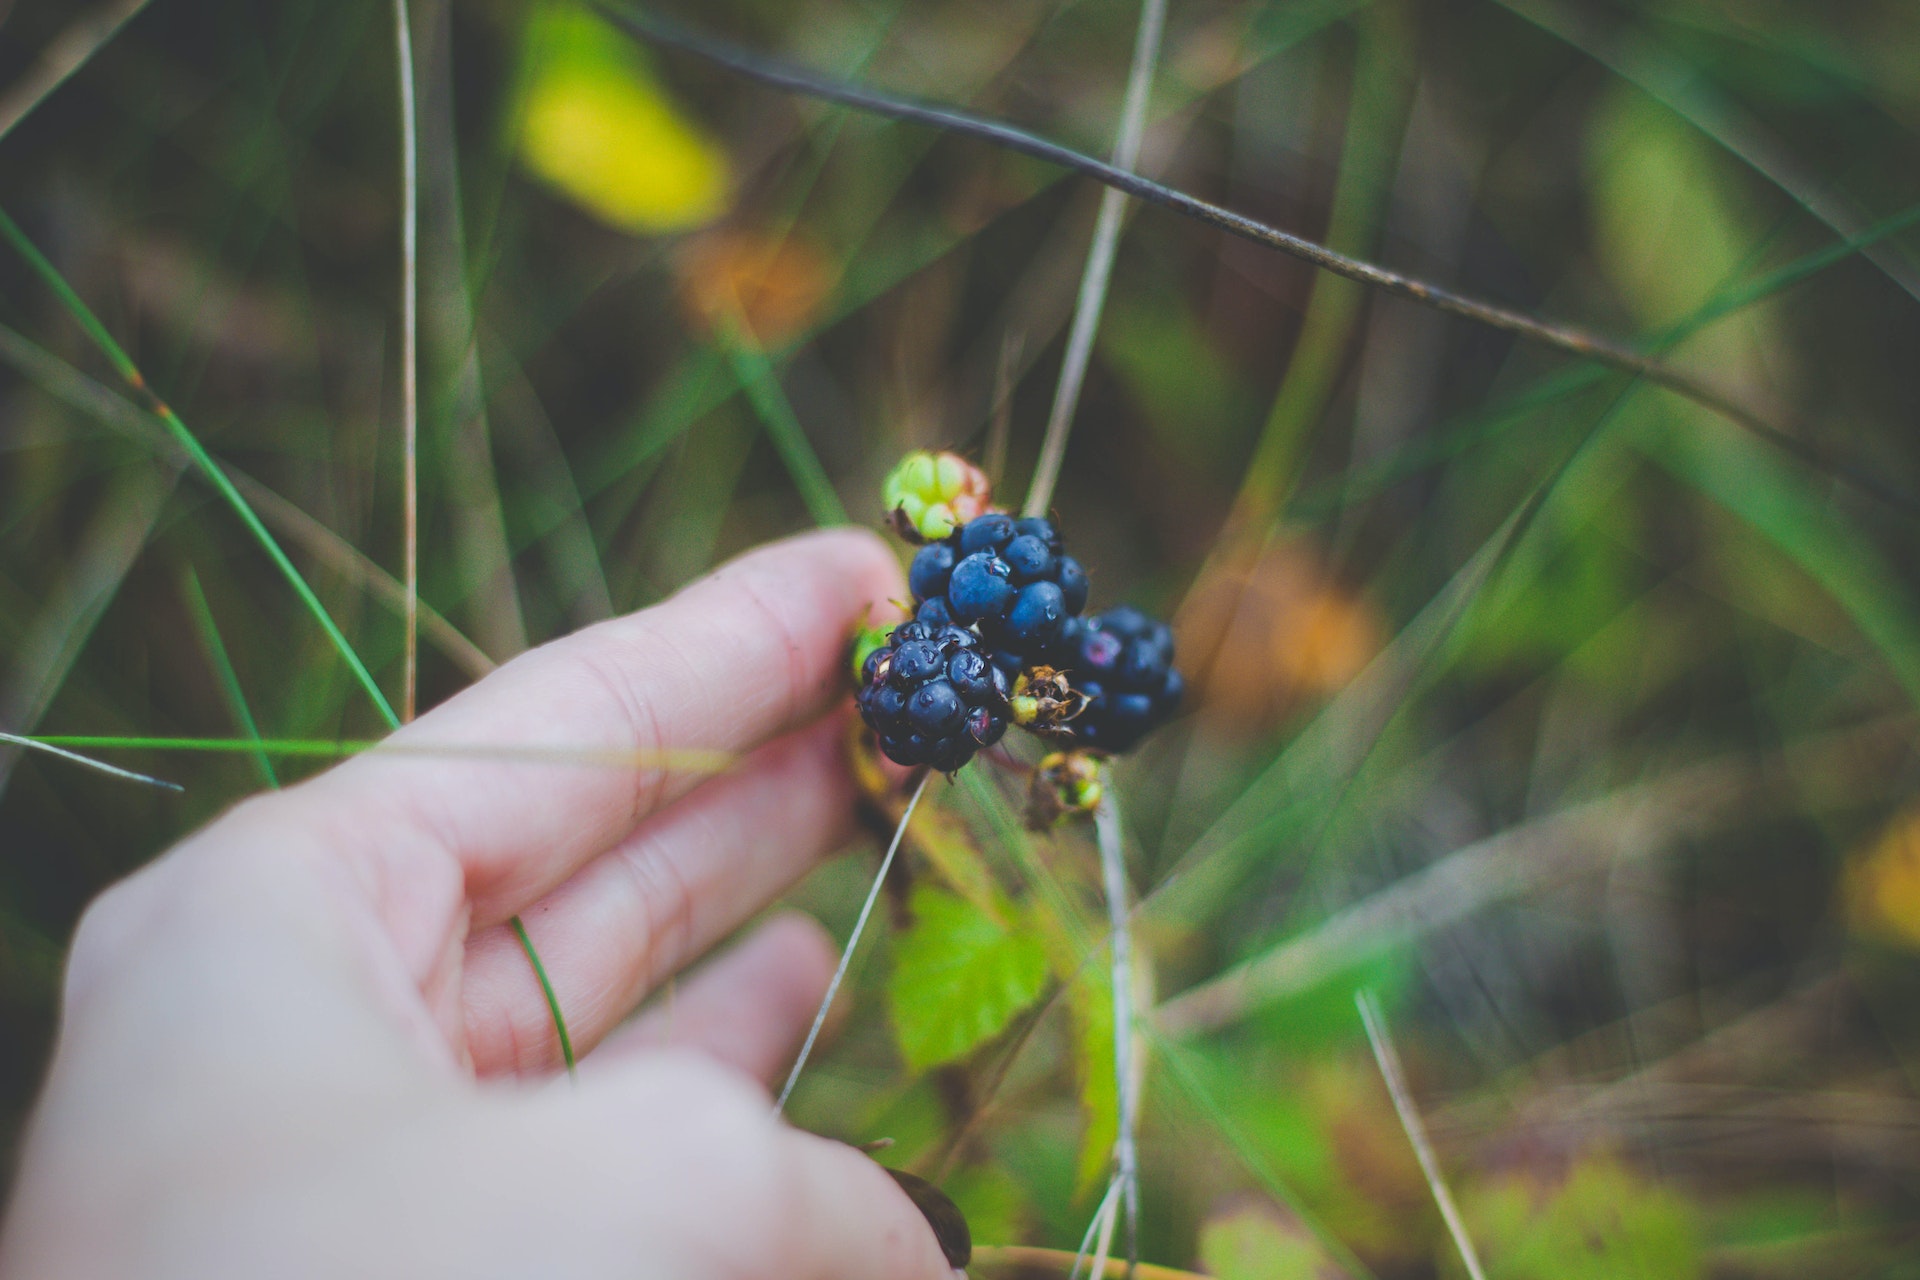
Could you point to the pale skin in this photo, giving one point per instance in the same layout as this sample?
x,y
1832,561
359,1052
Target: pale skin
x,y
305,1043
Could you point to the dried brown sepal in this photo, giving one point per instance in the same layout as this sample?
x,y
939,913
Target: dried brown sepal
x,y
1044,702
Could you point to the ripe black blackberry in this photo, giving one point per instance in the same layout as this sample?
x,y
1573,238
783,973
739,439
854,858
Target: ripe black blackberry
x,y
932,697
1121,661
1011,578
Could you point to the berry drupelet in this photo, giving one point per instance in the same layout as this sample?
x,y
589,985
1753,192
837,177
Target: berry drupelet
x,y
932,697
1121,661
1008,577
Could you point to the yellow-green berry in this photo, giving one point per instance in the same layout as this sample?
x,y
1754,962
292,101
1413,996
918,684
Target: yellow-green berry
x,y
929,495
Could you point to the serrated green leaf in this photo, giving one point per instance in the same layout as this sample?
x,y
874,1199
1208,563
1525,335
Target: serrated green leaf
x,y
958,978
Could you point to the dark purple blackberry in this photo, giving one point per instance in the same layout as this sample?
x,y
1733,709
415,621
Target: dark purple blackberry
x,y
1008,577
932,695
1122,661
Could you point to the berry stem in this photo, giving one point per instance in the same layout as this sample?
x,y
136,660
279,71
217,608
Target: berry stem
x,y
1113,868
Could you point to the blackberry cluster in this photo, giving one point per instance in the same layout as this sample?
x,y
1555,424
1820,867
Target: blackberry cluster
x,y
997,637
932,696
1010,578
1121,661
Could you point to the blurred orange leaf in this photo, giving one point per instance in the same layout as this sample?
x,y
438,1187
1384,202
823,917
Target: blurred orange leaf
x,y
771,285
1264,635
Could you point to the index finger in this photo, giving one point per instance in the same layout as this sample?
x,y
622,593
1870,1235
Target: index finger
x,y
748,652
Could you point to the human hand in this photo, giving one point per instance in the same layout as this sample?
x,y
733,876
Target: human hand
x,y
304,1042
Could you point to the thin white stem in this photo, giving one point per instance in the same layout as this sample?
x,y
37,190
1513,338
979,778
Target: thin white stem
x,y
409,348
31,745
1396,1078
1113,868
1100,1225
853,941
1099,270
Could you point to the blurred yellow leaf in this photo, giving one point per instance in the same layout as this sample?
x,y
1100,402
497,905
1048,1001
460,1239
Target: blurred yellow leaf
x,y
596,126
1883,886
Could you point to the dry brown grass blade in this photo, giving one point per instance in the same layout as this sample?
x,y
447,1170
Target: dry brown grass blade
x,y
71,50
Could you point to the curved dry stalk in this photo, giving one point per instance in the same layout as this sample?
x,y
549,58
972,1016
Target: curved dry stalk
x,y
1565,338
31,744
1099,270
1396,1077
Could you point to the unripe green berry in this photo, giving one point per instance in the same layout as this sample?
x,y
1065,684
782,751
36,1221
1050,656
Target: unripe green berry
x,y
929,495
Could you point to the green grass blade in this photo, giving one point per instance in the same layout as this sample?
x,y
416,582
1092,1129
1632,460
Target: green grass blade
x,y
1778,503
229,679
546,989
757,375
124,365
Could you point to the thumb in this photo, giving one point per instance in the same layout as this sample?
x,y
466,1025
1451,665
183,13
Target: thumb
x,y
732,1190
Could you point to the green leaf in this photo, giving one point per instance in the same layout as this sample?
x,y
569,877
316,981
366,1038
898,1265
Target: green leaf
x,y
959,978
1254,1240
1090,1002
1603,1223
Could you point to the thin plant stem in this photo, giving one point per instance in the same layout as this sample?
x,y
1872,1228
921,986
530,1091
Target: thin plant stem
x,y
123,364
1102,1218
229,678
410,435
993,459
1569,339
853,941
1113,869
546,989
35,744
409,352
1099,269
1396,1077
681,760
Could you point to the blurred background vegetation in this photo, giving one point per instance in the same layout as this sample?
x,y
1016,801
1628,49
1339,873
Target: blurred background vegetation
x,y
1570,719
